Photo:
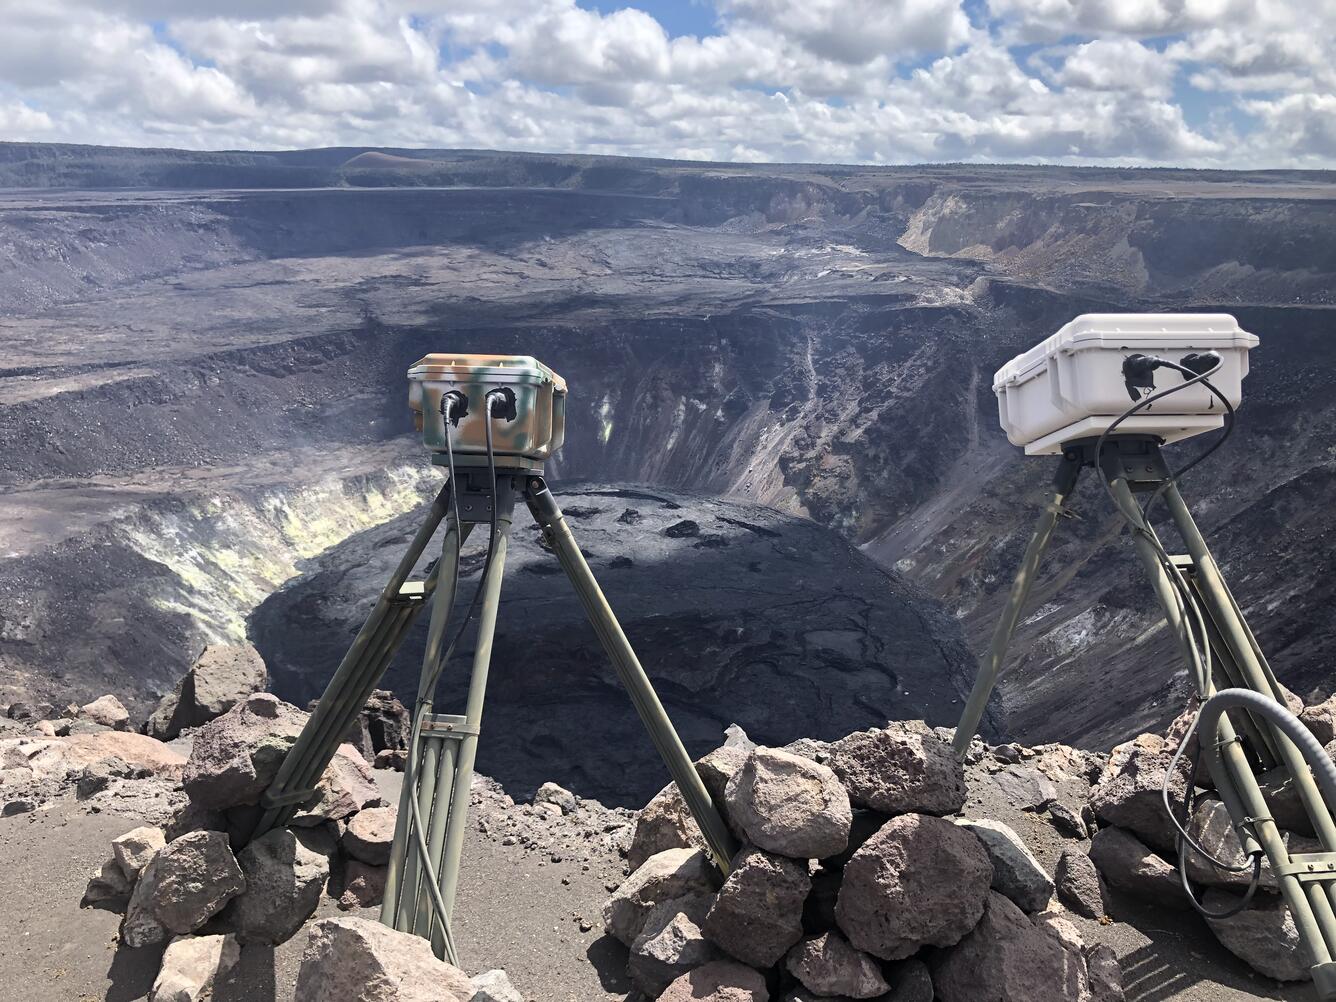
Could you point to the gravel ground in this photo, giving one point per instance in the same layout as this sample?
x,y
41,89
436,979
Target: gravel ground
x,y
517,909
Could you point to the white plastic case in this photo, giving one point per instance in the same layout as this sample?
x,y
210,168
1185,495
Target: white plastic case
x,y
1071,385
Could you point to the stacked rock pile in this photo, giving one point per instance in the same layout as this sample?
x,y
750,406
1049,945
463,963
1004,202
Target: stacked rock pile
x,y
854,881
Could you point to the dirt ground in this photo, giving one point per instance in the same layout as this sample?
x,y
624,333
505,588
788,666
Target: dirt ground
x,y
518,909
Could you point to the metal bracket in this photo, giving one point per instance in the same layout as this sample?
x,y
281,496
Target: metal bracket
x,y
1309,866
449,725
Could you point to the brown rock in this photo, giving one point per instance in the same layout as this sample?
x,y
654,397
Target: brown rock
x,y
790,805
1128,792
920,881
1007,958
363,885
1127,864
828,965
899,770
185,884
370,834
757,914
352,959
235,757
720,981
1078,885
675,873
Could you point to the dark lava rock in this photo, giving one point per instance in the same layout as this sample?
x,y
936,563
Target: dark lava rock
x,y
818,643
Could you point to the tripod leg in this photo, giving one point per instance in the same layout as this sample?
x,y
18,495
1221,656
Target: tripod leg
x,y
633,677
991,670
1311,906
356,675
467,752
442,601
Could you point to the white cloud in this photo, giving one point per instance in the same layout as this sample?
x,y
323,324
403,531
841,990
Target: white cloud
x,y
879,81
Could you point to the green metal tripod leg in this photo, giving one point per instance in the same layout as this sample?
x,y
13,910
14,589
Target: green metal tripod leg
x,y
633,677
352,683
1310,902
989,672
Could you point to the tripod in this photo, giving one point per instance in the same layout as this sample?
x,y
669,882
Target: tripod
x,y
1267,735
423,872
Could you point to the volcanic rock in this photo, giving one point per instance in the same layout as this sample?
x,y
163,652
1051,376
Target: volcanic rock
x,y
899,770
494,986
558,796
911,981
828,965
719,981
1078,885
757,914
675,873
1128,793
919,881
1127,864
716,768
1016,873
62,757
191,965
1214,831
1321,720
1007,958
1263,935
346,786
670,945
284,881
108,711
1104,974
234,758
185,884
790,805
363,885
664,823
222,676
135,848
359,960
109,887
370,834
1025,787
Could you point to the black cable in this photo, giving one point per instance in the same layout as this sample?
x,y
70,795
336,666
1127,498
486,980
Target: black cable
x,y
1196,645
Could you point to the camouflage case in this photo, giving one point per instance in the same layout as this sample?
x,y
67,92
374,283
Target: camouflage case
x,y
532,419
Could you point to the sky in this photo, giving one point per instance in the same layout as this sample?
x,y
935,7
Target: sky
x,y
1202,83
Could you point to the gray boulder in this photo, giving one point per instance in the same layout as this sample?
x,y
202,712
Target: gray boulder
x,y
234,758
920,881
670,945
828,965
790,805
359,960
719,981
717,767
109,887
1025,787
1128,792
911,981
757,914
1127,864
1321,720
899,769
559,796
1007,958
135,848
675,873
1016,873
1104,974
1077,882
108,711
664,823
370,834
1263,935
184,884
221,677
191,965
494,986
284,881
